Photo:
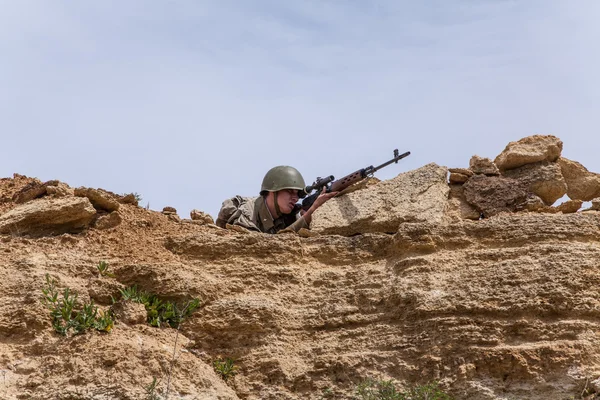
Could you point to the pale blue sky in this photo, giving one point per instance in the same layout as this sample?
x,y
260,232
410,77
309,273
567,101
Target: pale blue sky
x,y
191,102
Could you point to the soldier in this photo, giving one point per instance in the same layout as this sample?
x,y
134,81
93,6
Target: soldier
x,y
275,209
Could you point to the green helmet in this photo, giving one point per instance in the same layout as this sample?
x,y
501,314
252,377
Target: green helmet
x,y
283,177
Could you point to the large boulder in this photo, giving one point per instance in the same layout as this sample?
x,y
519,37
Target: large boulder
x,y
419,195
101,199
529,150
48,216
581,183
491,195
543,178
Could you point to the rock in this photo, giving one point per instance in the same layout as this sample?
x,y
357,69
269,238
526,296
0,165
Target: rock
x,y
197,215
129,199
100,199
542,178
417,195
596,204
569,206
581,183
529,150
303,232
59,190
48,216
29,192
169,210
458,178
129,312
492,195
533,203
108,221
458,206
462,171
173,217
237,228
483,166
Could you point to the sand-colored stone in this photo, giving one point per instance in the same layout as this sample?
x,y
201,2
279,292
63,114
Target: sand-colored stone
x,y
202,217
484,166
458,207
581,183
412,196
48,216
529,150
100,199
542,178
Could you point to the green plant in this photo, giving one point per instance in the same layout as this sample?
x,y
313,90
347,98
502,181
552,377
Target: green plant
x,y
103,269
151,390
430,391
225,368
371,389
327,394
64,315
160,311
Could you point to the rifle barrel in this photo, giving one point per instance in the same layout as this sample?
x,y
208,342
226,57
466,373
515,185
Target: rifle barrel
x,y
395,159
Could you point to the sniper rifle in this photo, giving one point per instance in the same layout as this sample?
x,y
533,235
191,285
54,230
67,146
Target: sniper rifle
x,y
337,186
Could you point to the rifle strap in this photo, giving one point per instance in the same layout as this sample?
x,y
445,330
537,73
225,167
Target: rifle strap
x,y
277,210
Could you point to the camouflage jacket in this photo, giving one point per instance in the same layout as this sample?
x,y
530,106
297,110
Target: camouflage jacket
x,y
252,213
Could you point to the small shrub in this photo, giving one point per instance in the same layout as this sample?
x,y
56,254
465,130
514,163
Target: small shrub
x,y
371,389
151,390
159,311
225,368
65,317
103,269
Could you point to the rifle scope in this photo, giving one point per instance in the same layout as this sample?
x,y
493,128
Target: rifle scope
x,y
319,183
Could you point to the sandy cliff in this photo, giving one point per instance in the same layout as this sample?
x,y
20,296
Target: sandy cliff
x,y
479,283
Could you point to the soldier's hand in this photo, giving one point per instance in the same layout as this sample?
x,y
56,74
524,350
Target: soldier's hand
x,y
323,197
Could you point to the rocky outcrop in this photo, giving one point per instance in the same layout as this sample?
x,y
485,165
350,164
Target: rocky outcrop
x,y
99,198
484,166
201,217
544,179
48,216
413,196
31,191
458,206
529,150
108,221
581,183
491,195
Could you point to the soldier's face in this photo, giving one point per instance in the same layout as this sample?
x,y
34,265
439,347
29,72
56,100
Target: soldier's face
x,y
287,199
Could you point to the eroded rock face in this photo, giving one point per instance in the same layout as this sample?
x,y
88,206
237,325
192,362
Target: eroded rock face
x,y
48,216
108,221
412,196
100,199
581,183
529,150
492,195
31,191
542,178
485,166
458,206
